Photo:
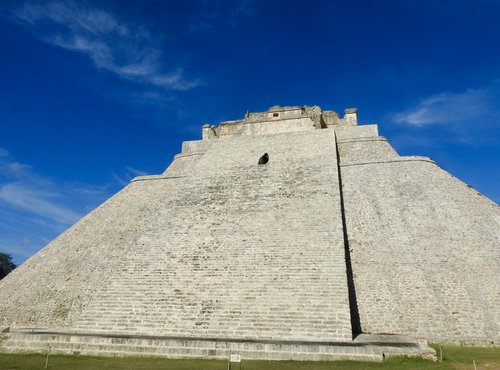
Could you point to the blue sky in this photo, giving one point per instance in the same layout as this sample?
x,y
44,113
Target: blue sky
x,y
94,93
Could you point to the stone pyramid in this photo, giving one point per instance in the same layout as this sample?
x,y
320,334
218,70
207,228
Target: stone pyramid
x,y
336,248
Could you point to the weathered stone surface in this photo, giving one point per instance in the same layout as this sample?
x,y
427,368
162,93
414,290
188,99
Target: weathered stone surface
x,y
424,246
217,246
365,347
219,251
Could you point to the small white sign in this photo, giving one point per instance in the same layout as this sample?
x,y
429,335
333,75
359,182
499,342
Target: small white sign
x,y
235,358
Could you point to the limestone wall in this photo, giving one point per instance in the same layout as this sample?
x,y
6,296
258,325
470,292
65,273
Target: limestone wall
x,y
50,289
229,249
355,151
277,126
424,247
221,248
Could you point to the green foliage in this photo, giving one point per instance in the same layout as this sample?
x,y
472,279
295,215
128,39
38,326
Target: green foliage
x,y
454,358
6,264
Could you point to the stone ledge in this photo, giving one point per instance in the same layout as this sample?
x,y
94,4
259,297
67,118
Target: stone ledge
x,y
362,139
400,159
374,348
155,177
184,155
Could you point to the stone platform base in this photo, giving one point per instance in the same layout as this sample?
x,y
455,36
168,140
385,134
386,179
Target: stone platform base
x,y
364,347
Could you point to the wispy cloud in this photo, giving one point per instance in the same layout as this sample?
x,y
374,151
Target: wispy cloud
x,y
451,109
37,201
35,208
135,171
127,51
22,189
16,167
129,174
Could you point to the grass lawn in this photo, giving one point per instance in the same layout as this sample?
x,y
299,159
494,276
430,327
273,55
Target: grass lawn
x,y
453,358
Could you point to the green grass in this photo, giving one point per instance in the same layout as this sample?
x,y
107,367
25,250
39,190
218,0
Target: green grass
x,y
454,357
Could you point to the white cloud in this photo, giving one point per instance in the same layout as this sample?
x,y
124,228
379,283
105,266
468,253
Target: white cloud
x,y
58,204
77,18
130,173
16,167
126,51
450,108
135,171
35,208
37,201
26,240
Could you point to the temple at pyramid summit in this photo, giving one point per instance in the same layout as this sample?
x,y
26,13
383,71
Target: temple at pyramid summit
x,y
293,233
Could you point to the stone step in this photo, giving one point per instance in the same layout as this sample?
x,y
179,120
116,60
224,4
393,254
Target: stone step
x,y
374,349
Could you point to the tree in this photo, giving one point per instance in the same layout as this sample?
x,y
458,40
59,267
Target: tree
x,y
6,264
